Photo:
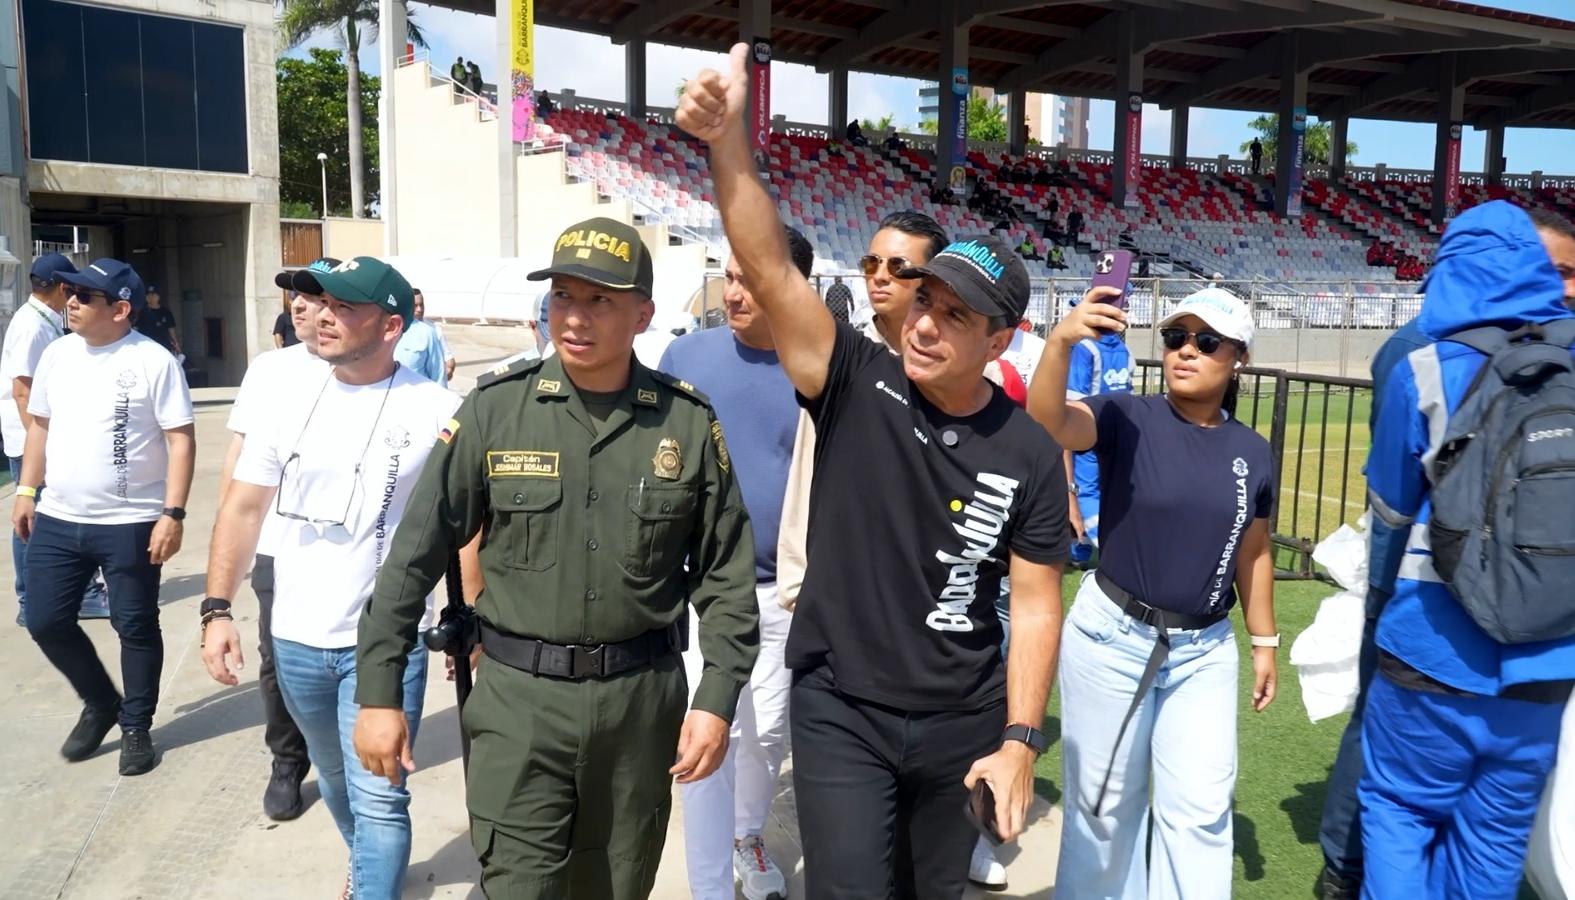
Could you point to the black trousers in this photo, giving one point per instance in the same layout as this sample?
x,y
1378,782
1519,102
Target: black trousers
x,y
285,740
880,792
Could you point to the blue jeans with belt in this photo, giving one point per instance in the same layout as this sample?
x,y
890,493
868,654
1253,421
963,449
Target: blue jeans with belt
x,y
373,815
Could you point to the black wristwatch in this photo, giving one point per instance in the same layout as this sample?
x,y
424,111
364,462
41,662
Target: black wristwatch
x,y
214,604
178,513
1033,737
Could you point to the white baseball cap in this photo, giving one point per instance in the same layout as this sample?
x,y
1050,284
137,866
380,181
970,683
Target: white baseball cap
x,y
1219,309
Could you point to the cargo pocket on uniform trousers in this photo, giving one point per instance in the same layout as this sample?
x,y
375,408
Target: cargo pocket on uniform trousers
x,y
657,533
481,837
525,521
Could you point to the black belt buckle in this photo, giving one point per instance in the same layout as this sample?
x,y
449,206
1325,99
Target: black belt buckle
x,y
586,661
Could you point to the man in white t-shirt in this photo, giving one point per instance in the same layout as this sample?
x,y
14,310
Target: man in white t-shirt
x,y
33,327
112,434
339,467
274,385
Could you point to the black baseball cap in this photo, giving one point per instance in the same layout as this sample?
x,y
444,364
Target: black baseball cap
x,y
984,272
304,281
603,252
49,267
115,278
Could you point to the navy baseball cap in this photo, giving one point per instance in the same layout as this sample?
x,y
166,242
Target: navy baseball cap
x,y
49,267
115,278
984,272
304,281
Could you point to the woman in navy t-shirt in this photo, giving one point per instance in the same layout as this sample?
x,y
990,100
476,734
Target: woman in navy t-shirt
x,y
1188,494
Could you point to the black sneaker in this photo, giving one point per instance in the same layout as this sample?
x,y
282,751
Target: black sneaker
x,y
282,799
1333,886
89,732
136,752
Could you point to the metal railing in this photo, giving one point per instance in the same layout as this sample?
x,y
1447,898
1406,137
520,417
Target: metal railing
x,y
487,107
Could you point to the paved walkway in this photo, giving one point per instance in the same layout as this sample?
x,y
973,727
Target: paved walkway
x,y
194,828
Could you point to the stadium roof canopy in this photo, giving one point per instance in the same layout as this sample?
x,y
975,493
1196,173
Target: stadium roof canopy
x,y
1381,59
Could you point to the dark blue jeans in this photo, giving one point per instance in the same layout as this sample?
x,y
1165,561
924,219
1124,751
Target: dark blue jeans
x,y
93,597
1341,830
61,559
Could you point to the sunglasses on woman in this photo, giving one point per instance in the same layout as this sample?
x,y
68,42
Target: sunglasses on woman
x,y
870,264
1208,342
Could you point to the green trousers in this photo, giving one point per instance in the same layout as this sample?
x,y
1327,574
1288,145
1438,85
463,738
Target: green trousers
x,y
568,788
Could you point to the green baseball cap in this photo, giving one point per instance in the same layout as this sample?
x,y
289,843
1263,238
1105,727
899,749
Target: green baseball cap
x,y
366,279
602,252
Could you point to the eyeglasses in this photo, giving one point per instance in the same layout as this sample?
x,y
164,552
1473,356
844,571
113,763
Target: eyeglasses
x,y
293,464
1208,342
870,264
86,297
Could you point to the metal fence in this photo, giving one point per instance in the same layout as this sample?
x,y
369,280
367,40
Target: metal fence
x,y
1317,428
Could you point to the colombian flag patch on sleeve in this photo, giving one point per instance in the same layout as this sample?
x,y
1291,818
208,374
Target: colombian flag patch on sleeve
x,y
447,434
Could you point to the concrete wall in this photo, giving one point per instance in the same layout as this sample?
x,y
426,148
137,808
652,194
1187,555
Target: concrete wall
x,y
349,238
447,172
1320,351
14,286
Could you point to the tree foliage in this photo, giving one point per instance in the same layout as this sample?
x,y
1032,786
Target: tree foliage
x,y
986,120
313,120
1316,150
879,125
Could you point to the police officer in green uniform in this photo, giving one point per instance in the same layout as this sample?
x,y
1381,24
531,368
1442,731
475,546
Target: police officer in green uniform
x,y
593,480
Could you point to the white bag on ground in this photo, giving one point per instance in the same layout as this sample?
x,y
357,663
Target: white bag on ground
x,y
1550,858
1326,653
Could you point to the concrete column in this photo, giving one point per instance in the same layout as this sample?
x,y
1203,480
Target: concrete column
x,y
1451,110
1129,79
1293,96
390,48
1017,123
954,55
837,102
634,77
1493,156
1179,119
508,208
1339,135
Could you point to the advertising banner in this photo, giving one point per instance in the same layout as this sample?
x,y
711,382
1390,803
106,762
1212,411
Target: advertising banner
x,y
958,176
522,70
760,103
1134,160
1452,171
1293,199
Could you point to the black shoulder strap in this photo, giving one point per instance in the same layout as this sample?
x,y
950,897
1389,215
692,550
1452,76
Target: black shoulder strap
x,y
1488,339
1560,332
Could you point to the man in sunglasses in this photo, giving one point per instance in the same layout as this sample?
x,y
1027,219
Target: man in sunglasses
x,y
274,385
930,486
338,465
40,322
112,433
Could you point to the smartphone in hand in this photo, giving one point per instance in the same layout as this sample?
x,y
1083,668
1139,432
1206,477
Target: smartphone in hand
x,y
1113,268
980,810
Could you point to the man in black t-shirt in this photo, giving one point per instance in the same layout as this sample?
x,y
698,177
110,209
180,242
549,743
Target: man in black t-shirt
x,y
929,486
158,323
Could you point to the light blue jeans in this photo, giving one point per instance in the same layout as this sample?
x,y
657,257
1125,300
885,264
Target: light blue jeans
x,y
373,816
1175,770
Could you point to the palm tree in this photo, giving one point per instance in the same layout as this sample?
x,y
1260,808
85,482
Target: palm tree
x,y
350,20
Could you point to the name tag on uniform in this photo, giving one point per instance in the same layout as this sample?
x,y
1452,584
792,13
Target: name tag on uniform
x,y
522,464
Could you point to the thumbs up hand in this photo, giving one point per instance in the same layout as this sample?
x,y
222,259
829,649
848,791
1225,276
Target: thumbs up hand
x,y
712,106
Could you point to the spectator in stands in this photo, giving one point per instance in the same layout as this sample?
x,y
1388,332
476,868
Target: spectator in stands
x,y
1391,255
893,142
839,299
1053,204
1375,252
1459,730
1054,230
544,105
1074,225
1151,810
1042,174
856,136
834,147
474,77
979,197
942,194
1057,257
1255,150
1027,249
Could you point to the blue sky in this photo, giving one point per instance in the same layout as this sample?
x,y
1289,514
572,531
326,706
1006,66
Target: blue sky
x,y
799,93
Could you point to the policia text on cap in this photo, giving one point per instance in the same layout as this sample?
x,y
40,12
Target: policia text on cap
x,y
593,479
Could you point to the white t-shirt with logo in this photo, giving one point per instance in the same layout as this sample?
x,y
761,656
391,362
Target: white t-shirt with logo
x,y
275,382
108,408
344,457
33,327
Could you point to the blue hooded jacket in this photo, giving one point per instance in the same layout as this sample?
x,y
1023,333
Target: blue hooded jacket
x,y
1491,268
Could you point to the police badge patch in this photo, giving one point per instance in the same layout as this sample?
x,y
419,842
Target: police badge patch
x,y
669,460
721,446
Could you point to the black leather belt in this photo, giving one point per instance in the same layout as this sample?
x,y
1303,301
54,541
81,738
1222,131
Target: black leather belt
x,y
578,661
1148,615
1404,674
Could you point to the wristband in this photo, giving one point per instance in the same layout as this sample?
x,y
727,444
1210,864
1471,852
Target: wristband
x,y
214,604
1266,640
25,491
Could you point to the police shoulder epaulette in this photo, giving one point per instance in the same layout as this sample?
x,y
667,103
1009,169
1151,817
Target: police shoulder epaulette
x,y
682,386
505,371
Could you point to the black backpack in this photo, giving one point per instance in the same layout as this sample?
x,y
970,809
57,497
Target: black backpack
x,y
1503,522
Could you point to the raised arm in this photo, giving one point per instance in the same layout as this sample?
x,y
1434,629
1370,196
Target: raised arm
x,y
712,109
1071,423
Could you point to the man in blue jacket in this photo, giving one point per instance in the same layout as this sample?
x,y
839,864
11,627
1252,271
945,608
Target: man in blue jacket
x,y
1460,731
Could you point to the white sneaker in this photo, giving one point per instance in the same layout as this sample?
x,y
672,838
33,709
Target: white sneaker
x,y
753,866
984,869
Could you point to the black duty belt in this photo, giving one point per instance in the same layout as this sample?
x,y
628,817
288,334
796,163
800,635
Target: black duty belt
x,y
578,661
1405,675
1160,620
